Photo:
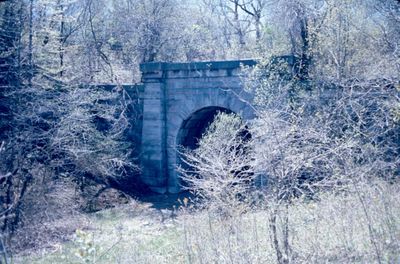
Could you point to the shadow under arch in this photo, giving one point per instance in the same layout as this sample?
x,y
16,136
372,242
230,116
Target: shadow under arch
x,y
191,131
196,124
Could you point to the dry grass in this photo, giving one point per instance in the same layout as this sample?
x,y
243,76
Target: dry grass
x,y
335,228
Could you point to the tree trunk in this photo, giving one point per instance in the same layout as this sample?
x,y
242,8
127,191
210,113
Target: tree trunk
x,y
305,56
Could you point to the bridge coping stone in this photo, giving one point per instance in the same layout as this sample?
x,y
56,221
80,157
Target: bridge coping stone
x,y
152,67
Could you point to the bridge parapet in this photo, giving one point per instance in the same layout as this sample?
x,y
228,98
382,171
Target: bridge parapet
x,y
163,70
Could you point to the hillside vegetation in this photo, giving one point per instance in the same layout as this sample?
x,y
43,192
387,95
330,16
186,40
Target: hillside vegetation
x,y
313,178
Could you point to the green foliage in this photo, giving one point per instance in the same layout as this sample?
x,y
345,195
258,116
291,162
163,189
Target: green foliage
x,y
85,248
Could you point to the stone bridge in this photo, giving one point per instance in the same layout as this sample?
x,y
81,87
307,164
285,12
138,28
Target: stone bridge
x,y
179,100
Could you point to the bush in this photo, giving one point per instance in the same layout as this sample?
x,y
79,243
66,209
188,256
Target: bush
x,y
219,171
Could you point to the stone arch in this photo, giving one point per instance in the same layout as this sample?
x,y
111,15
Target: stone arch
x,y
196,124
190,132
191,128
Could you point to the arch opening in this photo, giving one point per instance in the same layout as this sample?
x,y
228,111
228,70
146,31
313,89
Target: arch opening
x,y
193,128
191,131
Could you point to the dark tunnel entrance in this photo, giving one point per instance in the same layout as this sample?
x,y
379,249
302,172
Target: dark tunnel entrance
x,y
194,127
192,130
